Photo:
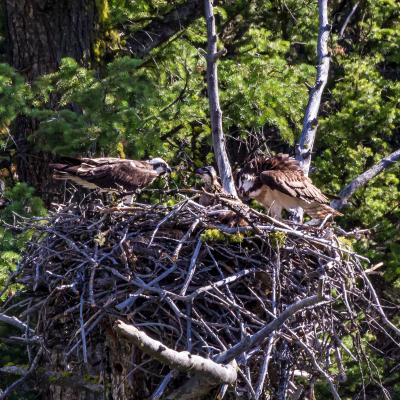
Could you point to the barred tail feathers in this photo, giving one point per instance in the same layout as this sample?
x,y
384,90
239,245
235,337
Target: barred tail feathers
x,y
320,210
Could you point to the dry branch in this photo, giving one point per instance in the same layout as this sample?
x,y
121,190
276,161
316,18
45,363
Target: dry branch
x,y
16,323
221,156
364,178
180,360
256,339
310,123
347,20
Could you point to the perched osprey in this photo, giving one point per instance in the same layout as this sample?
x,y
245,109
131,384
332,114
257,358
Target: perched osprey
x,y
110,174
211,184
279,183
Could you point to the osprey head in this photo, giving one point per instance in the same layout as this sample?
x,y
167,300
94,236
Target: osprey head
x,y
160,166
207,174
245,182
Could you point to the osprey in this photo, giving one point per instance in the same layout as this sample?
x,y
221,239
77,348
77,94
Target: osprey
x,y
279,183
110,174
210,182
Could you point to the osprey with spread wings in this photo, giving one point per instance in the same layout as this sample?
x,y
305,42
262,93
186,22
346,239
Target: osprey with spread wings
x,y
110,174
279,183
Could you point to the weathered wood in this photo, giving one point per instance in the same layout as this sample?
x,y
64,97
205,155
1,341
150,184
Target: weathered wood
x,y
180,360
364,178
310,123
224,167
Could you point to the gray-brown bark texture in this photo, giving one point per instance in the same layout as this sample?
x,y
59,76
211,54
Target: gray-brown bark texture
x,y
218,137
310,123
39,34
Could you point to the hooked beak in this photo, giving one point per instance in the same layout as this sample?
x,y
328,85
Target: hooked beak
x,y
244,195
169,170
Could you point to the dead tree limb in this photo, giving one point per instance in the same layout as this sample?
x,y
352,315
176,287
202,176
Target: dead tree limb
x,y
180,360
16,323
347,20
218,137
310,122
364,178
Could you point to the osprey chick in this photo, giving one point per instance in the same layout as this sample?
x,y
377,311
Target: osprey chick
x,y
110,174
279,183
210,182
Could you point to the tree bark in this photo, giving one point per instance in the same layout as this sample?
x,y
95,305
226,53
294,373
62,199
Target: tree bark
x,y
39,34
221,156
364,178
310,123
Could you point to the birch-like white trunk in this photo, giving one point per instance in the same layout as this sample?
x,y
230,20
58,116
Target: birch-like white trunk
x,y
310,123
224,167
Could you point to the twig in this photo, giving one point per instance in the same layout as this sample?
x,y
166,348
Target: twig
x,y
184,238
14,321
377,304
258,337
83,333
192,267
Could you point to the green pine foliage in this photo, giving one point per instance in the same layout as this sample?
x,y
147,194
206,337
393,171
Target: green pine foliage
x,y
23,204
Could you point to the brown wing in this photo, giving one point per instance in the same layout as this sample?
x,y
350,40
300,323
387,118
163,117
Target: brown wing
x,y
293,183
279,162
123,176
110,173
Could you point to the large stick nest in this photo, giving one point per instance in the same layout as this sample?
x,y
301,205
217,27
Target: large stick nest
x,y
195,284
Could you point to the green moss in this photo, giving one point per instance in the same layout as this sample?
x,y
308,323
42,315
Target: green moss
x,y
346,242
235,238
277,239
103,11
90,378
218,236
210,235
107,38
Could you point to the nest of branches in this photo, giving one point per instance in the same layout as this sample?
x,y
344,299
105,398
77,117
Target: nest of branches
x,y
268,308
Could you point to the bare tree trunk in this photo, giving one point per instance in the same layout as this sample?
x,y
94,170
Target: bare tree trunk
x,y
39,34
364,178
221,156
310,123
